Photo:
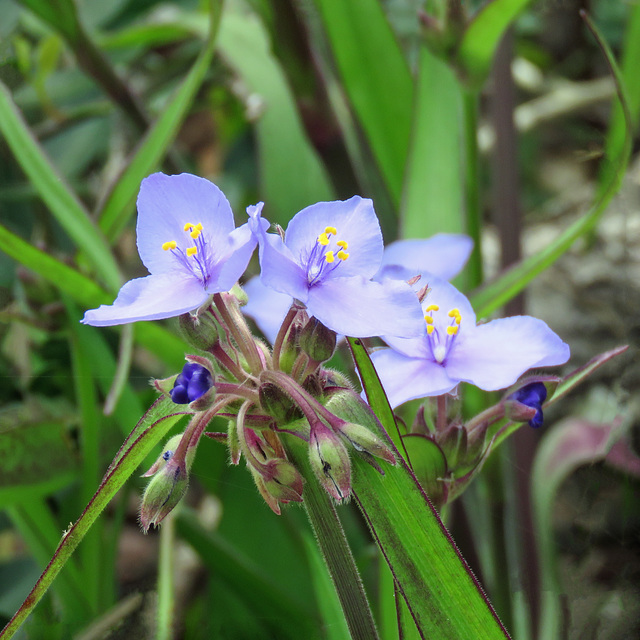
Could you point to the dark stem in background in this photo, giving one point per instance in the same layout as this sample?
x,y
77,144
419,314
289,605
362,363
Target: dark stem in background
x,y
507,218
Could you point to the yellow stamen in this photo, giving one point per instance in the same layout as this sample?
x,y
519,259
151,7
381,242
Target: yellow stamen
x,y
329,257
432,307
343,243
171,244
332,230
195,233
430,329
452,330
343,255
428,319
188,226
191,251
454,313
458,319
323,239
199,226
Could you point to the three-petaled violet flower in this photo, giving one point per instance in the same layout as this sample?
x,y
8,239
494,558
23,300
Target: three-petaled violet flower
x,y
443,255
453,349
187,239
329,254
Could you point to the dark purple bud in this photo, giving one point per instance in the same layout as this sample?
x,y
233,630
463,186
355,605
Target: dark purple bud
x,y
194,381
532,395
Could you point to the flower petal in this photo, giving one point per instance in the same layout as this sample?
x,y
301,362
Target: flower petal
x,y
494,355
231,266
279,270
166,204
361,308
266,306
405,378
443,255
355,221
151,298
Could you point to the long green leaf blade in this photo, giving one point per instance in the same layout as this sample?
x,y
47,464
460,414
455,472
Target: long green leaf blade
x,y
376,78
62,203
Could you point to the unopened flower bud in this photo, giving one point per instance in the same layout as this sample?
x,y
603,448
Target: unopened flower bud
x,y
200,331
318,342
363,440
163,493
282,480
330,462
525,404
166,455
275,402
194,382
453,443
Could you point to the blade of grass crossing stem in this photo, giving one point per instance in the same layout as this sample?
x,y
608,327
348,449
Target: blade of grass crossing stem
x,y
433,185
482,37
151,429
443,595
333,622
507,286
291,173
88,294
377,79
62,203
118,205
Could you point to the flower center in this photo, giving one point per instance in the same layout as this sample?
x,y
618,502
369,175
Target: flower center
x,y
326,256
195,258
441,338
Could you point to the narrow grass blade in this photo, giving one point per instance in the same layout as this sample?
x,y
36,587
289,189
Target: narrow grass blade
x,y
376,78
483,35
291,173
433,185
118,205
62,203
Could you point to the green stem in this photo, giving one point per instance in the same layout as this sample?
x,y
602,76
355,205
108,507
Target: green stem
x,y
473,208
165,611
335,550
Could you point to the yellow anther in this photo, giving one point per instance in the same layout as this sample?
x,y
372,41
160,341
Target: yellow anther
x,y
171,244
188,226
452,330
343,255
195,233
323,239
432,307
458,319
428,319
329,257
332,230
191,251
454,313
199,226
430,329
343,243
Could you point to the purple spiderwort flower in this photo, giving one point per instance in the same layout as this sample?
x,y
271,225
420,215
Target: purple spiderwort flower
x,y
187,239
445,254
532,395
453,349
192,383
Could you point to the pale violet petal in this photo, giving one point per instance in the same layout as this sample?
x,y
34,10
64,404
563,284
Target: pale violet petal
x,y
405,378
494,355
444,255
360,308
242,243
266,306
355,222
279,270
151,298
166,204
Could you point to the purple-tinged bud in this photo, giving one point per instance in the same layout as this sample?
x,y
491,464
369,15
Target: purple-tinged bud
x,y
525,404
364,441
282,480
330,462
167,453
275,402
476,441
163,493
332,378
271,501
202,331
453,443
194,382
318,342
